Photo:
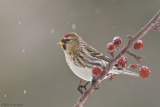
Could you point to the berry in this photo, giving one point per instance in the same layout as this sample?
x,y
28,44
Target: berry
x,y
96,71
133,66
66,35
117,41
144,72
122,62
138,45
110,47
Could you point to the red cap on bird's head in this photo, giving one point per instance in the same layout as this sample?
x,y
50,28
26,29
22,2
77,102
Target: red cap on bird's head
x,y
66,35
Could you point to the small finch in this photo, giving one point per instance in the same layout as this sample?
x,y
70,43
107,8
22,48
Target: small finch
x,y
82,57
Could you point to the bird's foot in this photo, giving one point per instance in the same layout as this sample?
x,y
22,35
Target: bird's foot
x,y
81,87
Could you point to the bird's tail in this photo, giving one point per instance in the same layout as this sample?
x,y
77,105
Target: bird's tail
x,y
124,71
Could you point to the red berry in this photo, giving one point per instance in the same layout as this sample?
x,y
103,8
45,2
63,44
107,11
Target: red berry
x,y
66,35
144,72
117,41
96,71
138,45
110,47
133,66
122,62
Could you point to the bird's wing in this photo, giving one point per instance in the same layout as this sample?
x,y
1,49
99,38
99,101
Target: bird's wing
x,y
93,52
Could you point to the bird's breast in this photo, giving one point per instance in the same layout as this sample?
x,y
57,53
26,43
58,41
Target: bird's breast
x,y
78,69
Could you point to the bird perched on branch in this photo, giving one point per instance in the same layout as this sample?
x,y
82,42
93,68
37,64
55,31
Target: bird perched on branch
x,y
81,57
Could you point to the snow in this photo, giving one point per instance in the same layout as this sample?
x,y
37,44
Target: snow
x,y
52,31
19,22
73,26
23,50
25,91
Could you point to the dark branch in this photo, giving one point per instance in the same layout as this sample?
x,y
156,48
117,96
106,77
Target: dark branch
x,y
139,35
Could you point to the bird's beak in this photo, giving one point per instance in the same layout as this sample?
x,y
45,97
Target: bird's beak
x,y
61,43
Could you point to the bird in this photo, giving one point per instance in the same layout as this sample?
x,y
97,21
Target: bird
x,y
81,58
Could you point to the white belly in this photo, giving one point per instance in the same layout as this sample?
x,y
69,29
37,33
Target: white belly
x,y
83,73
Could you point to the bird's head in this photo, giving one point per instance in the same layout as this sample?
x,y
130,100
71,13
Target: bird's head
x,y
70,41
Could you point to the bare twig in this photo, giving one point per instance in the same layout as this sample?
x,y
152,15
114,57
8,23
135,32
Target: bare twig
x,y
156,27
138,58
139,35
112,54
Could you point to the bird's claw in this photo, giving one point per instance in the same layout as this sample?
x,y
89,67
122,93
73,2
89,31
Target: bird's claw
x,y
81,87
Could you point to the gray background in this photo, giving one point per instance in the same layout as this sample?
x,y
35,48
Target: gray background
x,y
31,60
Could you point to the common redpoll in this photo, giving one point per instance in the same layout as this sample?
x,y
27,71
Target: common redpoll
x,y
81,57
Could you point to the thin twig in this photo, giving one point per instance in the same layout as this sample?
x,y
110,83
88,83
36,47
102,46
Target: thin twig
x,y
156,27
138,58
112,54
139,35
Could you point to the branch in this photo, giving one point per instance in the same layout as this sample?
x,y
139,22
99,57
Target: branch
x,y
138,58
139,35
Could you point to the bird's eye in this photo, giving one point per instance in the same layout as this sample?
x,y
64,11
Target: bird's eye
x,y
65,40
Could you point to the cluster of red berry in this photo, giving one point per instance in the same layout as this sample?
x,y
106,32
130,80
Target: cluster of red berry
x,y
115,43
144,72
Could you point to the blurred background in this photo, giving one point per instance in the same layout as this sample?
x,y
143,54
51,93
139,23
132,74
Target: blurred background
x,y
33,71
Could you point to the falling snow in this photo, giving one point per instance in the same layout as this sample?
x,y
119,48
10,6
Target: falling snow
x,y
19,22
73,26
23,50
52,31
25,92
5,96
